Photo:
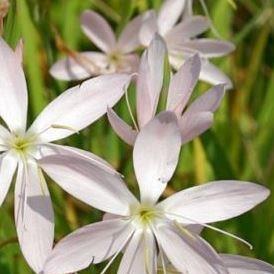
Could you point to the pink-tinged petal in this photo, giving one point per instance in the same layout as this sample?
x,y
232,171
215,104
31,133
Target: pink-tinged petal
x,y
129,63
209,101
33,216
192,126
187,252
209,48
188,28
129,38
8,165
19,51
79,106
169,14
98,30
53,149
155,155
4,134
89,183
150,80
214,201
140,256
88,245
182,84
13,89
194,228
149,28
122,129
109,216
244,265
84,65
188,10
213,75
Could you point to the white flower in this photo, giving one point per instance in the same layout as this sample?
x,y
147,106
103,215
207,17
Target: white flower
x,y
235,264
72,111
182,41
144,229
193,119
116,55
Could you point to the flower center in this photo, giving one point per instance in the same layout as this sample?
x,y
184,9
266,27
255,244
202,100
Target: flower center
x,y
114,58
145,215
21,144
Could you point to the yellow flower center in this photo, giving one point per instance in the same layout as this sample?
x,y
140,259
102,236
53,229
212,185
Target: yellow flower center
x,y
145,215
21,144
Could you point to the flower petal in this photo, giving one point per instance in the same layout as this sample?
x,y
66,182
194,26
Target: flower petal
x,y
89,183
214,201
209,48
98,30
149,28
209,101
155,155
84,65
169,14
33,215
8,165
193,125
182,84
90,244
129,63
211,74
53,149
244,265
140,255
79,106
129,40
122,129
188,28
150,80
13,89
187,252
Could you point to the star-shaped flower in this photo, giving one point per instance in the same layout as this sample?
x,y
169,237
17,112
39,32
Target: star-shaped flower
x,y
20,148
116,55
193,119
182,41
147,228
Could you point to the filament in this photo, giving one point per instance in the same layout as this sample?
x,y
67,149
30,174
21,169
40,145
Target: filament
x,y
213,228
130,111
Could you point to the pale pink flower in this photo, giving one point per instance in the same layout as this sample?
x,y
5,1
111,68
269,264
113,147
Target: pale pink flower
x,y
182,41
72,111
147,228
193,119
235,264
116,56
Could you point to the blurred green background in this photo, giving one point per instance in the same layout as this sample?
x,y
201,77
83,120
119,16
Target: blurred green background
x,y
239,146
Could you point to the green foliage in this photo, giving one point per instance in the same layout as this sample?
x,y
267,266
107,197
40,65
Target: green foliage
x,y
240,145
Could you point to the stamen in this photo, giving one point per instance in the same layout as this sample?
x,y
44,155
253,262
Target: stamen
x,y
115,255
42,181
213,228
65,127
162,260
130,111
147,259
